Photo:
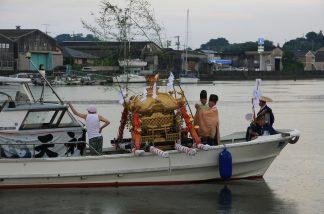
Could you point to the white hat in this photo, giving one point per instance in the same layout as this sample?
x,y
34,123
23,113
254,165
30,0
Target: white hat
x,y
92,109
265,99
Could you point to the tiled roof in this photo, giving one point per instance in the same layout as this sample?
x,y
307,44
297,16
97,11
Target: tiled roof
x,y
15,33
69,52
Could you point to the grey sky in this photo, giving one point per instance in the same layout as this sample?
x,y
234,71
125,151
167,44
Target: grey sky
x,y
236,20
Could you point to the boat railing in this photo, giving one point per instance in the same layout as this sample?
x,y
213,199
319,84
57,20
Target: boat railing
x,y
34,145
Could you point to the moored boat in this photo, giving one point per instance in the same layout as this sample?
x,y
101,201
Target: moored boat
x,y
132,71
188,79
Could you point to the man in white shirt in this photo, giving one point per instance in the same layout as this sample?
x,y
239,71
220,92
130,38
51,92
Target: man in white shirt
x,y
93,127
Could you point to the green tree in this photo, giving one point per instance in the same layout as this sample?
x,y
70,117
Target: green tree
x,y
222,45
312,41
290,63
75,37
218,44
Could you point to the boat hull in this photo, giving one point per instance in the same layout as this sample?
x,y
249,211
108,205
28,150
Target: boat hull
x,y
250,159
130,78
188,80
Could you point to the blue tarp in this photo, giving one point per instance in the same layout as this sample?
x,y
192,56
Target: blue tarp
x,y
220,61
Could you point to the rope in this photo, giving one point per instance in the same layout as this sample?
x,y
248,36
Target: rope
x,y
159,152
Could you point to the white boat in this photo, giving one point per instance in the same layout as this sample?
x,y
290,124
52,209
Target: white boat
x,y
250,160
42,145
188,79
129,78
132,71
21,75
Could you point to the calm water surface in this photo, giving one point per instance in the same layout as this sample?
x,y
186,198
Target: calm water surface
x,y
293,183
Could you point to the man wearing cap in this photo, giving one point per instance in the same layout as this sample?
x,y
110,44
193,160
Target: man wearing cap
x,y
266,110
209,122
93,127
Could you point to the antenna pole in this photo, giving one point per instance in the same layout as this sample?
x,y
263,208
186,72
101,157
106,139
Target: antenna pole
x,y
186,45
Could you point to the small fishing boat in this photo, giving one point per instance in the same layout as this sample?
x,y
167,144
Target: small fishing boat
x,y
132,71
188,79
43,145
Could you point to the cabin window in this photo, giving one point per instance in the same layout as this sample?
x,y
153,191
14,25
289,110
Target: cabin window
x,y
68,121
49,119
38,119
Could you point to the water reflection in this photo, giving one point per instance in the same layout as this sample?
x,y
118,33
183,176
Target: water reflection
x,y
230,197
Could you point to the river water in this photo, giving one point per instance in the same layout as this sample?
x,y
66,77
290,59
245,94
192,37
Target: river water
x,y
292,184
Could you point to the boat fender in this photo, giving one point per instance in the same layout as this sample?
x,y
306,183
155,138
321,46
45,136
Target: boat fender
x,y
294,140
225,164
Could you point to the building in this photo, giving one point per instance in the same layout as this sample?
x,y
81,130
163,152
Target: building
x,y
309,61
247,60
319,59
267,60
109,53
15,43
314,60
72,56
177,61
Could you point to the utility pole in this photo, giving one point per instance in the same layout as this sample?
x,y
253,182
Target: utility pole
x,y
168,43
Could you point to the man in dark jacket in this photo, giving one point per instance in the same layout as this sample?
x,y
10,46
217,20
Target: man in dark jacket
x,y
266,110
259,128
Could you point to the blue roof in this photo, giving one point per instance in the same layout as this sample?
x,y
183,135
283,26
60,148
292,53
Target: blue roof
x,y
220,61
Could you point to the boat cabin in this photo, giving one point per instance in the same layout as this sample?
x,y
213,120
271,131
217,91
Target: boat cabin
x,y
33,125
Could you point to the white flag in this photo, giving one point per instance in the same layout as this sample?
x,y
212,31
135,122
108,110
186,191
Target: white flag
x,y
257,93
154,91
144,95
170,82
121,96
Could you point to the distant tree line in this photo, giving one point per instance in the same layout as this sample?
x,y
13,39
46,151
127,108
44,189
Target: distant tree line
x,y
312,41
222,45
75,37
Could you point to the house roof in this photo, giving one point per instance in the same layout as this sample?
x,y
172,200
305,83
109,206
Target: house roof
x,y
69,52
100,48
102,44
14,34
312,53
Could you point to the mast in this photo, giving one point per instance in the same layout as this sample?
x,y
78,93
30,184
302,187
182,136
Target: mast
x,y
186,45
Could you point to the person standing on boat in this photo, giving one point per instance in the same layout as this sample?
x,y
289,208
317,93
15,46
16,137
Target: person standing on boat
x,y
203,104
209,122
93,127
266,110
203,100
